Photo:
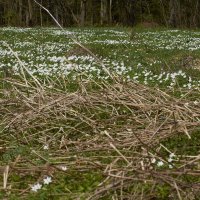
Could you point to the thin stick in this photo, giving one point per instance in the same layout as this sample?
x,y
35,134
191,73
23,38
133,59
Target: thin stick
x,y
76,41
5,177
22,65
120,153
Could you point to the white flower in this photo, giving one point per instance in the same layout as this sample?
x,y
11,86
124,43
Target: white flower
x,y
64,168
170,166
36,187
160,164
153,160
46,147
170,159
47,180
172,155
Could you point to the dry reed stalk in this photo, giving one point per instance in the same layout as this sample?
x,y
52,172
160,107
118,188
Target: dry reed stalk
x,y
123,125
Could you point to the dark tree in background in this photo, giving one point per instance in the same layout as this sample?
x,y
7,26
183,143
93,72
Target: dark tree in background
x,y
171,13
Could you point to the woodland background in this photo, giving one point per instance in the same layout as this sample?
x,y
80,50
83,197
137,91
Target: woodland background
x,y
169,13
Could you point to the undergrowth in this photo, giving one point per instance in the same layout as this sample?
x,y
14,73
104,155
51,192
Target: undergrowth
x,y
100,138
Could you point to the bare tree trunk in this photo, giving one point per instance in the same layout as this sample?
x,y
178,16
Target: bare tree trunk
x,y
41,17
92,12
164,14
20,13
141,14
110,12
27,18
83,12
74,16
195,14
30,8
173,13
131,20
179,17
56,12
101,12
104,6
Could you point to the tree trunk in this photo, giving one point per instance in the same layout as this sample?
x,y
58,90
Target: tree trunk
x,y
83,12
104,6
173,13
92,12
131,16
20,13
164,14
27,18
41,17
195,14
30,10
110,12
56,12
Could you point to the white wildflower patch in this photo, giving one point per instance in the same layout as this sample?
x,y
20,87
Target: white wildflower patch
x,y
160,163
46,147
47,180
36,187
170,166
50,57
170,160
63,168
172,155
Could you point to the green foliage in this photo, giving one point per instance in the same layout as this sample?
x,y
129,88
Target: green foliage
x,y
181,145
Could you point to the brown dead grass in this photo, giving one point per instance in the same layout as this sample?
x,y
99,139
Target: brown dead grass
x,y
113,129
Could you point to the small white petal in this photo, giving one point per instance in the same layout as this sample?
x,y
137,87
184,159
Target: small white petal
x,y
172,155
64,168
170,160
160,164
170,166
47,180
46,147
36,187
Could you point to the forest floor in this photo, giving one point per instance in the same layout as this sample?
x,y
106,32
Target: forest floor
x,y
124,124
